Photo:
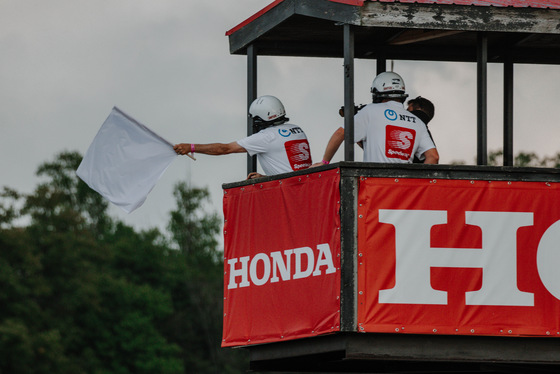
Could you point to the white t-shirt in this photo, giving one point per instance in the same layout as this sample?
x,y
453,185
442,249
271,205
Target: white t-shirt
x,y
280,149
390,133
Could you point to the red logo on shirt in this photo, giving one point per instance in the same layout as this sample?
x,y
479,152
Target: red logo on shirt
x,y
298,154
399,142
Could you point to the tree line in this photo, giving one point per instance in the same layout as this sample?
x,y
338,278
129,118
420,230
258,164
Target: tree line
x,y
82,292
521,159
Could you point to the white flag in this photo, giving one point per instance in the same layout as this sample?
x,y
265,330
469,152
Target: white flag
x,y
125,161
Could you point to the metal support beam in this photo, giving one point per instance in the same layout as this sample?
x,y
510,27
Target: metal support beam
x,y
508,111
482,99
251,96
349,255
381,64
348,93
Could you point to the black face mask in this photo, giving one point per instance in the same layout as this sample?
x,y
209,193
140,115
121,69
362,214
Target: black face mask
x,y
423,116
259,124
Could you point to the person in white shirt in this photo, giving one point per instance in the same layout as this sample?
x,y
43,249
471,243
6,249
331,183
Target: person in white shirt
x,y
388,132
280,147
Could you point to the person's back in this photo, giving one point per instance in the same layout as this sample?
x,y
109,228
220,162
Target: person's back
x,y
280,149
390,133
387,132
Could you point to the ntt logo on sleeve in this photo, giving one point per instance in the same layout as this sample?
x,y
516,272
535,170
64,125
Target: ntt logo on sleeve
x,y
283,132
391,115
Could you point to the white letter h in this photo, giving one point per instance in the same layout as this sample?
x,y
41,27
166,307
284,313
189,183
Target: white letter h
x,y
415,257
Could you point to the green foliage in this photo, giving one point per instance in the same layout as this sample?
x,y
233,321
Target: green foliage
x,y
83,293
8,209
198,293
66,200
521,159
195,234
528,159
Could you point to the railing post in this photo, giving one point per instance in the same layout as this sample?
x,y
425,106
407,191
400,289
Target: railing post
x,y
251,96
348,252
482,99
348,93
508,111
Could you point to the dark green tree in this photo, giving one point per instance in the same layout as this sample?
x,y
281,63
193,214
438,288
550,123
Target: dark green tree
x,y
65,199
530,159
193,229
85,293
8,207
198,293
75,304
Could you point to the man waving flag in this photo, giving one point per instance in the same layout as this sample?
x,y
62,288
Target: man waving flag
x,y
125,161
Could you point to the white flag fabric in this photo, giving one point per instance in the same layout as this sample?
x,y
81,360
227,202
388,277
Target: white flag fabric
x,y
125,161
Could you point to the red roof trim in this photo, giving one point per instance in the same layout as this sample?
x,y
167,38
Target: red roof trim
x,y
253,17
551,4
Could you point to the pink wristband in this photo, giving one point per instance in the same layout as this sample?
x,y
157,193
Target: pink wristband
x,y
325,162
192,148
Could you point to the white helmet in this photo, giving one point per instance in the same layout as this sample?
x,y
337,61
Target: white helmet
x,y
388,85
267,111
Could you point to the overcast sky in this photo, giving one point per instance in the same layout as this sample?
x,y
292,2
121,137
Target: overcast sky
x,y
66,63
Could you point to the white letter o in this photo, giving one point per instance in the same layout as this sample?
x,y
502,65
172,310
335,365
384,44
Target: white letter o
x,y
253,269
548,259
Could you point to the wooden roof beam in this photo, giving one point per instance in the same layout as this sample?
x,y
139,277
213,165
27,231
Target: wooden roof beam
x,y
459,17
413,36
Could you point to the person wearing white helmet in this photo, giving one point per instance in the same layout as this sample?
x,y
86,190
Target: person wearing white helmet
x,y
387,131
280,147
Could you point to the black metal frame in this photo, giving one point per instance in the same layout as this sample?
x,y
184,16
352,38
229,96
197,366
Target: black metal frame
x,y
348,93
251,96
375,30
348,253
482,99
390,353
508,112
482,96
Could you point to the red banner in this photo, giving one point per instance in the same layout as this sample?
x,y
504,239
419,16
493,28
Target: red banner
x,y
458,257
282,259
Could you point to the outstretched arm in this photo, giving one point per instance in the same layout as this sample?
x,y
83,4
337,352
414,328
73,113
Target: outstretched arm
x,y
432,156
214,149
332,146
